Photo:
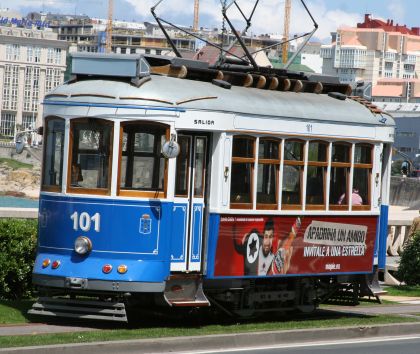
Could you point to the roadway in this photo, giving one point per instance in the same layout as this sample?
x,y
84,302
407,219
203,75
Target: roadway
x,y
389,338
381,345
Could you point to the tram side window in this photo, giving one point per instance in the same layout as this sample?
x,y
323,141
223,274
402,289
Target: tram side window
x,y
182,166
268,173
52,175
316,175
362,176
243,158
142,170
339,178
91,152
292,174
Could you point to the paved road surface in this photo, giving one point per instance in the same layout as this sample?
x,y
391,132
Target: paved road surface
x,y
406,345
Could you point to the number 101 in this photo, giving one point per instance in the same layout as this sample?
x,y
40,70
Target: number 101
x,y
84,221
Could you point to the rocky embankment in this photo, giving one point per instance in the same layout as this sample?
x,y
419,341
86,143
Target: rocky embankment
x,y
22,182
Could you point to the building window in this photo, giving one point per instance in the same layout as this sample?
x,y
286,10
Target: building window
x,y
268,173
13,52
7,124
292,174
31,90
142,167
28,121
10,87
90,156
52,79
33,54
243,159
52,174
54,56
29,54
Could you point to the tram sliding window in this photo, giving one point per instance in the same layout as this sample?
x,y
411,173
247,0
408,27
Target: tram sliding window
x,y
268,173
90,156
339,177
52,175
243,159
362,176
292,174
316,175
142,169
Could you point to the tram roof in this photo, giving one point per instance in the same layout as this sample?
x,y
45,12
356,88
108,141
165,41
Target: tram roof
x,y
164,91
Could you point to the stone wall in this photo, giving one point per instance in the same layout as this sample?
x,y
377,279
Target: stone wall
x,y
405,192
22,182
9,151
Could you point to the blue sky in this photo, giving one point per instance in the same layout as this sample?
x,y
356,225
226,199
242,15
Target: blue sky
x,y
268,18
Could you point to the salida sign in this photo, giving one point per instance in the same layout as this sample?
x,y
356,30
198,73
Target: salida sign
x,y
267,246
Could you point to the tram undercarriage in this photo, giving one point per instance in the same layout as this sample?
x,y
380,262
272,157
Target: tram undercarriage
x,y
243,298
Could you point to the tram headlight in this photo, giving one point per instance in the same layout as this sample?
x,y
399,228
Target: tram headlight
x,y
82,245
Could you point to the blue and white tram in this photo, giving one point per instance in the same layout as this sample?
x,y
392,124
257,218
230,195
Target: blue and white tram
x,y
167,184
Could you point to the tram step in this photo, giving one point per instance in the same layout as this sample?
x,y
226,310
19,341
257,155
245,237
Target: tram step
x,y
188,303
185,291
78,308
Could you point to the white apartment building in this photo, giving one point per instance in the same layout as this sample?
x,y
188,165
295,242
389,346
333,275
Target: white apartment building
x,y
373,51
32,63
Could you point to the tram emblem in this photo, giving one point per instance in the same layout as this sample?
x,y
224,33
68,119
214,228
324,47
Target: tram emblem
x,y
145,227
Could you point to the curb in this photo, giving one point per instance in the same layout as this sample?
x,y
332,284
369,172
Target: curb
x,y
225,341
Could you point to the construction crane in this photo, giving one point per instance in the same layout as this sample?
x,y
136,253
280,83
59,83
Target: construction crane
x,y
108,43
286,28
196,6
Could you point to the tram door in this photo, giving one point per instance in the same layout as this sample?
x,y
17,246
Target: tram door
x,y
189,203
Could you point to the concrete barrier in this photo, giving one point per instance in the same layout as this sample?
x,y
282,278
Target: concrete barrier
x,y
21,213
405,191
397,238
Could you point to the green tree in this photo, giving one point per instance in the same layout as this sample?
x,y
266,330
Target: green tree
x,y
17,256
409,268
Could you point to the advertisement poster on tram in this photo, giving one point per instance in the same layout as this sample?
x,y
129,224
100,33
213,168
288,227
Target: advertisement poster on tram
x,y
278,245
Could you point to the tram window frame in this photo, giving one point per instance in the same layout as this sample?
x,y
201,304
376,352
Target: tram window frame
x,y
346,165
263,162
242,160
52,187
364,165
183,161
84,190
138,127
301,164
317,163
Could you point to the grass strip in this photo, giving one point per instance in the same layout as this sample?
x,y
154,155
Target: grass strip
x,y
156,331
14,164
403,290
14,312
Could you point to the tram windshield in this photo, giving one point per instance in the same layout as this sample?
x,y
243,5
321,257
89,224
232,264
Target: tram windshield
x,y
90,151
52,175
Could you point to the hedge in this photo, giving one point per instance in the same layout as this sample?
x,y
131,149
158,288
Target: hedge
x,y
409,267
18,239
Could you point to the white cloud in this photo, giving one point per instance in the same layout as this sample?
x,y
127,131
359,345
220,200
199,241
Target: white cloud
x,y
397,10
268,17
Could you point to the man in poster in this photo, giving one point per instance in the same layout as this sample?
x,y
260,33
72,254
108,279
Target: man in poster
x,y
257,250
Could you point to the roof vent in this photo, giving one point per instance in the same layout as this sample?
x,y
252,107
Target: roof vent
x,y
111,65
